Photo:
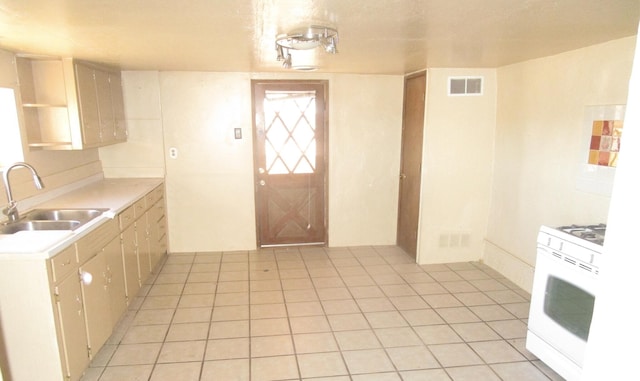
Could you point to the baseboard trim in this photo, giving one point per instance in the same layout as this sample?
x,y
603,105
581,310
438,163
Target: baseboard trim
x,y
506,263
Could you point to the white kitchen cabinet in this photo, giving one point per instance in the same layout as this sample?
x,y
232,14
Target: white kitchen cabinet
x,y
143,237
50,315
102,282
69,104
104,123
115,279
97,306
144,247
88,105
71,326
130,255
157,233
117,100
157,222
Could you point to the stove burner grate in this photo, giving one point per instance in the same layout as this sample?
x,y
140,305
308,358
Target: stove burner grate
x,y
591,233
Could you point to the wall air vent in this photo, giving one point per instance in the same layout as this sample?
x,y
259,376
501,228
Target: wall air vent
x,y
461,86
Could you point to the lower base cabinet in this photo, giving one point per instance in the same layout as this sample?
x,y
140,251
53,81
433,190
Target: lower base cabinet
x,y
71,326
130,258
115,279
97,306
57,313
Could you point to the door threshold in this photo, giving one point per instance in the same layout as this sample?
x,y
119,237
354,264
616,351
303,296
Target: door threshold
x,y
294,244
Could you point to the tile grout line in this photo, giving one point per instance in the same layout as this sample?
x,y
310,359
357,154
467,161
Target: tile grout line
x,y
335,263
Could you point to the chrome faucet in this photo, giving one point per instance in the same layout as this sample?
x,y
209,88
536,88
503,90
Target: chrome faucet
x,y
11,211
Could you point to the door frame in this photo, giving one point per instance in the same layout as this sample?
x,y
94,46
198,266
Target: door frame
x,y
325,156
402,176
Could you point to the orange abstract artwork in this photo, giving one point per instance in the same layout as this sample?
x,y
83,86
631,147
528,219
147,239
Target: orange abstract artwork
x,y
605,142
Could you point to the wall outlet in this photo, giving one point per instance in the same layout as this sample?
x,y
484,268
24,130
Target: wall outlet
x,y
173,152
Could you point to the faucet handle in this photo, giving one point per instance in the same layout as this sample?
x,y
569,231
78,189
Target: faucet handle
x,y
11,211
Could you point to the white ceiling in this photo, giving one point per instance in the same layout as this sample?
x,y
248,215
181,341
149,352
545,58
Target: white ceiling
x,y
376,36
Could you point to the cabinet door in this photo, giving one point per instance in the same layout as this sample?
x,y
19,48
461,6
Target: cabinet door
x,y
144,246
105,107
130,255
115,279
95,295
142,234
154,239
162,229
72,327
88,104
157,232
117,99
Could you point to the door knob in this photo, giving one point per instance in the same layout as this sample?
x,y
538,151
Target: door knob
x,y
403,176
260,170
262,183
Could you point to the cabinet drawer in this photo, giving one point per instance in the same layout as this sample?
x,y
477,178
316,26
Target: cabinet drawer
x,y
126,217
162,226
64,263
156,212
139,207
89,245
154,195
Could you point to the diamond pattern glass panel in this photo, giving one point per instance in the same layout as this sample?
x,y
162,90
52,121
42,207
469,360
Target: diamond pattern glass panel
x,y
290,132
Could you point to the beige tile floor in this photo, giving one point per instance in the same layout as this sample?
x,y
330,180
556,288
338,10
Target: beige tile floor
x,y
364,313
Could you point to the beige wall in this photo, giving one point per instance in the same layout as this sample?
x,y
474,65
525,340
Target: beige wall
x,y
365,128
56,168
457,165
539,140
210,184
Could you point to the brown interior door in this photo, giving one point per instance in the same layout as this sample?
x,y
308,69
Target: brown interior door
x,y
290,166
411,162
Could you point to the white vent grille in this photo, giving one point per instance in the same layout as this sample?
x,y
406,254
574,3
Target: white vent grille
x,y
465,86
455,240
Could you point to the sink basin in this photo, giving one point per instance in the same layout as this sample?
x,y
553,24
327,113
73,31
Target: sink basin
x,y
38,225
82,215
52,219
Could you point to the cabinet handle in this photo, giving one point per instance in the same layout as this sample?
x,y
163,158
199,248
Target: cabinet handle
x,y
68,262
86,278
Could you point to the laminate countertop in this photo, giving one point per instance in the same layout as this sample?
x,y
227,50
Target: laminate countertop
x,y
112,194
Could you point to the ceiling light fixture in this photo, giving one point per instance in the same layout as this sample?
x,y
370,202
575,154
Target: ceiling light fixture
x,y
306,39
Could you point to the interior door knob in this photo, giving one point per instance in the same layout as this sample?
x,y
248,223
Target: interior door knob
x,y
262,183
403,176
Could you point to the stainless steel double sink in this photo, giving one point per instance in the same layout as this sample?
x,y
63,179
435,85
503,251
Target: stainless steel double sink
x,y
51,219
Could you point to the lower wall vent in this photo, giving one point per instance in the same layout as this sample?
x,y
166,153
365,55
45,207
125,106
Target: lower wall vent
x,y
454,240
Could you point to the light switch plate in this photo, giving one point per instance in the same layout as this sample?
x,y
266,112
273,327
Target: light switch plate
x,y
237,132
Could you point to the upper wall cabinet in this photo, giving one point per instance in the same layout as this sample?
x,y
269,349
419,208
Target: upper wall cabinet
x,y
70,104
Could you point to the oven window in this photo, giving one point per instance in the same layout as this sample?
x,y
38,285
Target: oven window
x,y
569,306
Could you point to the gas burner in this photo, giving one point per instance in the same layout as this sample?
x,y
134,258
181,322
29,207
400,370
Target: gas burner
x,y
591,233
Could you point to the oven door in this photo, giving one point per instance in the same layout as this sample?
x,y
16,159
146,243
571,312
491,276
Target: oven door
x,y
562,304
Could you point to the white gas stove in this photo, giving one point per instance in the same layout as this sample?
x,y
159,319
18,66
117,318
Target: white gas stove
x,y
563,295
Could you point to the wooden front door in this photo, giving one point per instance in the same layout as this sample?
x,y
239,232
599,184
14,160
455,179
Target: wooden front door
x,y
290,165
411,162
